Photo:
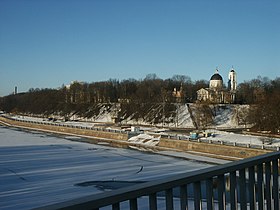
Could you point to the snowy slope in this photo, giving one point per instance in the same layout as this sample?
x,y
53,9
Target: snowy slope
x,y
230,116
224,116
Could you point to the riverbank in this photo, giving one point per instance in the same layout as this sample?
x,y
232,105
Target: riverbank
x,y
199,151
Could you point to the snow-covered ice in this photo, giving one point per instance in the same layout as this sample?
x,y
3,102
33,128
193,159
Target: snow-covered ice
x,y
38,169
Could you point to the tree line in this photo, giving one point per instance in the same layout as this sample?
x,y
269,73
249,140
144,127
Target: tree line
x,y
264,95
137,97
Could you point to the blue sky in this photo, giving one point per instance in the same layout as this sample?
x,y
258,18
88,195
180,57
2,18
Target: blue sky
x,y
47,43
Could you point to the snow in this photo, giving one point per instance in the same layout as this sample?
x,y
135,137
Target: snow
x,y
38,119
104,115
37,169
224,116
183,116
197,157
242,138
145,139
230,116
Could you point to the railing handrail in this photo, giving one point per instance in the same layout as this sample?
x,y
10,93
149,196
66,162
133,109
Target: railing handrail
x,y
138,190
66,125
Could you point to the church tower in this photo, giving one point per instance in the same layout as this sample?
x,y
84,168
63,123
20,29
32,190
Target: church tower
x,y
232,83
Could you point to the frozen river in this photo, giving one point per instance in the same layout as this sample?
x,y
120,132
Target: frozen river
x,y
38,169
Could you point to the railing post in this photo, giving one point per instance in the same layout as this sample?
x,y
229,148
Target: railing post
x,y
133,204
275,184
242,189
184,197
153,201
251,189
221,192
116,206
209,194
169,199
233,193
260,195
268,185
197,196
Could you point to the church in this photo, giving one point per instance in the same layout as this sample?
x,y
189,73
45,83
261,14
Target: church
x,y
217,92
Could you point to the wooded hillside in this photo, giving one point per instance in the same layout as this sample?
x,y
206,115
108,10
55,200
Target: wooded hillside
x,y
142,98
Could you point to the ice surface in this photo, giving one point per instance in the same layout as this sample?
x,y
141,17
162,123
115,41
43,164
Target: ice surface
x,y
37,169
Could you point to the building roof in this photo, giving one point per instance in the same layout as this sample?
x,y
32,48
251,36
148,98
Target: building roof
x,y
216,76
232,69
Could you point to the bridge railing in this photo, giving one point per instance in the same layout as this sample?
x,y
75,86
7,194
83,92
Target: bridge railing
x,y
250,183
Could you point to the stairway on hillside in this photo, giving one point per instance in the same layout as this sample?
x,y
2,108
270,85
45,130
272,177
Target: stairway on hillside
x,y
183,116
192,116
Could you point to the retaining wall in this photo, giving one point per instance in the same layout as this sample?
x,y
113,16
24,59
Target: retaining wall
x,y
222,150
98,133
119,139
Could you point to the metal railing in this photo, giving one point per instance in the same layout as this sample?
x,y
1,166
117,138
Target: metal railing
x,y
247,184
223,142
60,124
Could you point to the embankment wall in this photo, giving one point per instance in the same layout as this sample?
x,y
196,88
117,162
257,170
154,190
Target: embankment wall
x,y
72,130
118,139
214,149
